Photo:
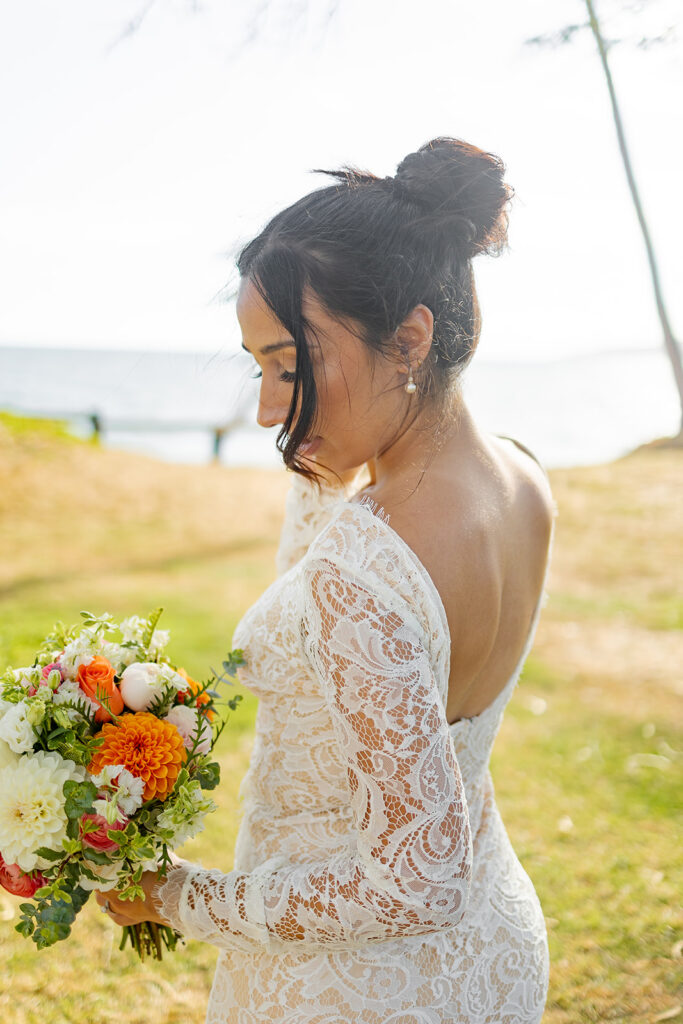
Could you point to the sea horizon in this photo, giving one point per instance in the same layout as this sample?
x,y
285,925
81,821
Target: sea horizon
x,y
570,409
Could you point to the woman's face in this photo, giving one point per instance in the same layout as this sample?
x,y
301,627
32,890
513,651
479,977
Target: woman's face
x,y
361,399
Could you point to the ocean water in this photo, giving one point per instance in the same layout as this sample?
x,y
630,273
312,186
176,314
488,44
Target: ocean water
x,y
577,410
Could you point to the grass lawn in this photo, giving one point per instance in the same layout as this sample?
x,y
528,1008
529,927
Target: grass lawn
x,y
588,766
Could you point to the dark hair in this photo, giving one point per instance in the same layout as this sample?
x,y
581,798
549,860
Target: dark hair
x,y
371,249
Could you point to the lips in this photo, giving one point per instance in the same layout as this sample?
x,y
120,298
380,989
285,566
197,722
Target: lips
x,y
309,447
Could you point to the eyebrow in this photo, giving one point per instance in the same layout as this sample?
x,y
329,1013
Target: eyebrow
x,y
274,346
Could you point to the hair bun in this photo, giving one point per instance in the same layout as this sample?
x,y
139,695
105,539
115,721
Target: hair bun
x,y
460,186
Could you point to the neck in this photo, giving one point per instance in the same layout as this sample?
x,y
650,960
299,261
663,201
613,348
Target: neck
x,y
402,464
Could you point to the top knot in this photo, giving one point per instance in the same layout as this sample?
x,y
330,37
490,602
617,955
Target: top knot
x,y
457,183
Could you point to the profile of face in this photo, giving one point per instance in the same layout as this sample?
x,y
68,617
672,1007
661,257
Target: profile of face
x,y
361,394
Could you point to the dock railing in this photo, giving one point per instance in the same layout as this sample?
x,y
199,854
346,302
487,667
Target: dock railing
x,y
101,425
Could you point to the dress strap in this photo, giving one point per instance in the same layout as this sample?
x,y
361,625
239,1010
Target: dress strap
x,y
523,447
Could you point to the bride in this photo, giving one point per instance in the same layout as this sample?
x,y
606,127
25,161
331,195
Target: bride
x,y
374,880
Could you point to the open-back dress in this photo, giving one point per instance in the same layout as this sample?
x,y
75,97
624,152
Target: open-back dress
x,y
373,880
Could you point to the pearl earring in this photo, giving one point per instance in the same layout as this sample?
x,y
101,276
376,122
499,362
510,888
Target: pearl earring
x,y
411,386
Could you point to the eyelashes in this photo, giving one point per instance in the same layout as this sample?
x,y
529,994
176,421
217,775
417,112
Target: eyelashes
x,y
285,376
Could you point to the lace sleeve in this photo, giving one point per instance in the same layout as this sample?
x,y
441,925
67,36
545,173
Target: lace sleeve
x,y
307,510
410,869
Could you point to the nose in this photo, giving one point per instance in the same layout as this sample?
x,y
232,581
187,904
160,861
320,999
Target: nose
x,y
272,408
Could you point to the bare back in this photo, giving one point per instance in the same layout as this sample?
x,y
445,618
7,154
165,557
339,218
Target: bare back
x,y
480,525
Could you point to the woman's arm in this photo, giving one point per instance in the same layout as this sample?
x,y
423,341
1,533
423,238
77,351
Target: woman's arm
x,y
409,871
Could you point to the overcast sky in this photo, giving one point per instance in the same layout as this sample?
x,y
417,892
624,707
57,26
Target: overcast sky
x,y
132,167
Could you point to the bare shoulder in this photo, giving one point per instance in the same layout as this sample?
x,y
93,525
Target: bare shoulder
x,y
532,479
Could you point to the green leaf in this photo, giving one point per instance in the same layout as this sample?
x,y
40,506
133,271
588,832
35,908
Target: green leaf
x,y
151,626
52,855
79,798
209,775
96,856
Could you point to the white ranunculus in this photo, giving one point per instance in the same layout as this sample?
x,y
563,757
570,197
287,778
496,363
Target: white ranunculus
x,y
16,730
7,755
186,721
141,683
32,806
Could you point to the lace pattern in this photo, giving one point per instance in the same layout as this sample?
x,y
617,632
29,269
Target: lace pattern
x,y
410,869
374,881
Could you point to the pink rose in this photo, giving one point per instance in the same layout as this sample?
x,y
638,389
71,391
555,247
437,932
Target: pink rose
x,y
18,882
99,840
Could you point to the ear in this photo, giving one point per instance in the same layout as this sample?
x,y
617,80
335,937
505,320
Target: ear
x,y
414,337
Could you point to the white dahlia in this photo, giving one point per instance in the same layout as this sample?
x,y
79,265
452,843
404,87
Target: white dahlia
x,y
32,806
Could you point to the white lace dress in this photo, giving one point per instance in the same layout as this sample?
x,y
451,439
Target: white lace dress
x,y
374,881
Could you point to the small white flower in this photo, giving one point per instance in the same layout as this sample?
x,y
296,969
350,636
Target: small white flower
x,y
170,675
32,806
127,788
107,775
26,677
186,721
132,629
127,655
70,693
76,653
129,792
185,819
160,638
17,731
109,810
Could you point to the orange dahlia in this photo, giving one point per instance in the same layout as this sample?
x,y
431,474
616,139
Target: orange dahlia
x,y
202,698
150,748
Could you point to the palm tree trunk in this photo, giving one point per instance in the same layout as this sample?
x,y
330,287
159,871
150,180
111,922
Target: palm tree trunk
x,y
670,343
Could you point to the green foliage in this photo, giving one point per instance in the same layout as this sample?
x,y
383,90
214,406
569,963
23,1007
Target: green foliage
x,y
208,775
49,919
152,620
79,797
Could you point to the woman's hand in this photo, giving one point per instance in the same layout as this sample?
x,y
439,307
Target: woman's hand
x,y
127,912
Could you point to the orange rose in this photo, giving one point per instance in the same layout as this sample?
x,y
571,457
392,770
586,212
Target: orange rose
x,y
97,682
202,698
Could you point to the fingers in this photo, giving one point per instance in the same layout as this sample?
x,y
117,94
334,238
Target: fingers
x,y
120,919
113,907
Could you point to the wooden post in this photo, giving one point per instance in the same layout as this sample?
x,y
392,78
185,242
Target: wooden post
x,y
217,439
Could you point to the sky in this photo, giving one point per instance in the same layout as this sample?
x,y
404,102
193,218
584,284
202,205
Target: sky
x,y
136,163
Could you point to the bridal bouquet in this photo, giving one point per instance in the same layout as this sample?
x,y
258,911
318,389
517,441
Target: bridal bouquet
x,y
105,760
